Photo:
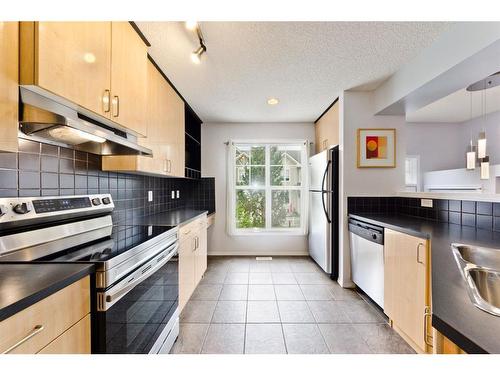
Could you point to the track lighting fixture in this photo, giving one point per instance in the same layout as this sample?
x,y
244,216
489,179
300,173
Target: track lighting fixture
x,y
196,55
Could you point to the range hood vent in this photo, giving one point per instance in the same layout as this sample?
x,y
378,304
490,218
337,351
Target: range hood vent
x,y
47,120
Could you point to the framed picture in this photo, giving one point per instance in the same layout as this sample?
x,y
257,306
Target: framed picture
x,y
376,148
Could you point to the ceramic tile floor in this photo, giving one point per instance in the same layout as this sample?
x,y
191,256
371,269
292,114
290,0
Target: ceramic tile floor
x,y
285,305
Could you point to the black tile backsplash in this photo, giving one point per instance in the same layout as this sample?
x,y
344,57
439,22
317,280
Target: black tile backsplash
x,y
47,170
482,215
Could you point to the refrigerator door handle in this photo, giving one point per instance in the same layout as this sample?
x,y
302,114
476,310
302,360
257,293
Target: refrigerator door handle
x,y
324,175
324,206
323,191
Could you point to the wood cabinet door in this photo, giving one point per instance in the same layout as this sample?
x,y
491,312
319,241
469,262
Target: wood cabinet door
x,y
75,340
9,92
70,59
201,251
327,129
173,136
186,269
128,77
406,294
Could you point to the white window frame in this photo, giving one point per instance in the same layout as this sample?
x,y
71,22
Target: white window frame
x,y
416,186
232,188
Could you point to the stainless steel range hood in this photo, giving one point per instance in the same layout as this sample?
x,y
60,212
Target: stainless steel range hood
x,y
45,119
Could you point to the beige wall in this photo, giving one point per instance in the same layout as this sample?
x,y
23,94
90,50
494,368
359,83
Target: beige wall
x,y
214,164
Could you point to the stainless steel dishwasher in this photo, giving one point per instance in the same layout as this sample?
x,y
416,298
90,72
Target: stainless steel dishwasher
x,y
367,258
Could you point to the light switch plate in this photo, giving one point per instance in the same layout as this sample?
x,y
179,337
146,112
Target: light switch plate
x,y
178,194
426,203
150,196
173,194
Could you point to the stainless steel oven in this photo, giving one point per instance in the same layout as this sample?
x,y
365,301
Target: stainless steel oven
x,y
135,289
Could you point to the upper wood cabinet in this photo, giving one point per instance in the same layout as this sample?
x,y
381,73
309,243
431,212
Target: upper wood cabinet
x,y
327,129
407,287
9,92
69,59
165,132
97,66
128,77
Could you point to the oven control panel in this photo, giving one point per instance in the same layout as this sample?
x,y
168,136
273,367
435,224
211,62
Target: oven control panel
x,y
41,209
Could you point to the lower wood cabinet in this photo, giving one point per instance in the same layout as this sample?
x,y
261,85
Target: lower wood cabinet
x,y
407,288
443,345
192,257
59,323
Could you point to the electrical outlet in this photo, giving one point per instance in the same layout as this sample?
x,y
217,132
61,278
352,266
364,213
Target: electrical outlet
x,y
426,203
150,196
150,230
173,194
178,194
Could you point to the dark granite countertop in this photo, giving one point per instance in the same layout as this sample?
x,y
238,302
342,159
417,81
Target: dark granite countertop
x,y
171,218
453,313
22,285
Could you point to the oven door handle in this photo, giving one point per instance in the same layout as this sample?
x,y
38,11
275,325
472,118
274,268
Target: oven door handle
x,y
112,296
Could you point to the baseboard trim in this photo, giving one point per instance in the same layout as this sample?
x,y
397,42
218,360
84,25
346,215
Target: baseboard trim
x,y
258,253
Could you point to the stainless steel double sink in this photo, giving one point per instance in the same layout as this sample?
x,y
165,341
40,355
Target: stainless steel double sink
x,y
480,267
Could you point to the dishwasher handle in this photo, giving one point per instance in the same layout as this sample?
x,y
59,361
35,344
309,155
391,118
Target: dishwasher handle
x,y
370,232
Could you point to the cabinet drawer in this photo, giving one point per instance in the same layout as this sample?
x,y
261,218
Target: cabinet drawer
x,y
75,340
55,314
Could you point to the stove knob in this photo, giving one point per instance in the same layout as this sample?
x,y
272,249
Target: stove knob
x,y
374,236
96,201
21,208
106,200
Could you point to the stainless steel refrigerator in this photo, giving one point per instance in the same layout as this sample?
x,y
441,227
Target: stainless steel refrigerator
x,y
324,210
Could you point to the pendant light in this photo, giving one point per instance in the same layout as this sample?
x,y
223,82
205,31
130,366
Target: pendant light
x,y
481,145
481,141
471,155
485,168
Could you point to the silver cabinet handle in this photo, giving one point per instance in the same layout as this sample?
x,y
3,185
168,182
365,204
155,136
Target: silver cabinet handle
x,y
36,330
418,253
427,315
165,163
116,106
106,101
194,244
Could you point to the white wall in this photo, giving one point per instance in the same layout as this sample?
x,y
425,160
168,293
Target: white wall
x,y
439,145
442,146
357,111
213,164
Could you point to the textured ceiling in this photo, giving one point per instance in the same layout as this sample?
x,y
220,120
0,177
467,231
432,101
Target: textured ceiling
x,y
304,64
460,106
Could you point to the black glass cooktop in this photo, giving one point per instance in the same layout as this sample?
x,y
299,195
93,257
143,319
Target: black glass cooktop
x,y
122,239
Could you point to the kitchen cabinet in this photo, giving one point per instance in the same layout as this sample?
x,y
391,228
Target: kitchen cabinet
x,y
96,67
128,77
443,345
69,59
327,129
192,257
60,323
407,288
165,132
9,92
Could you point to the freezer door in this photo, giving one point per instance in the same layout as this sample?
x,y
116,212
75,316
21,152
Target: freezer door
x,y
319,232
317,165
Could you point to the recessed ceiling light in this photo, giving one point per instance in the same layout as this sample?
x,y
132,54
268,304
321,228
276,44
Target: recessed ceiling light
x,y
272,101
191,25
